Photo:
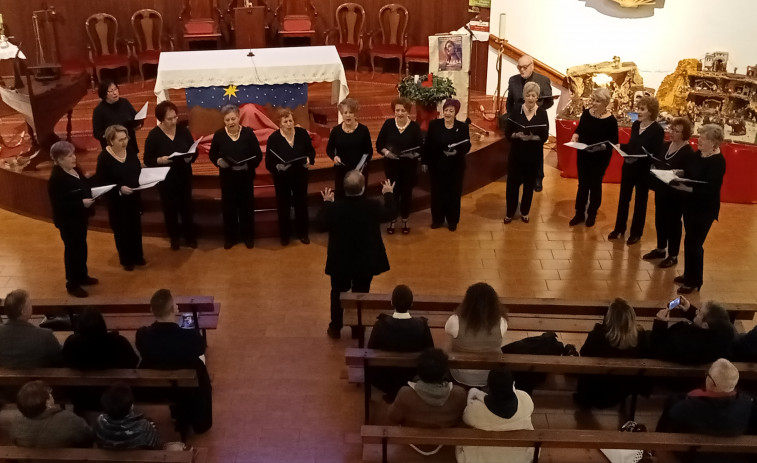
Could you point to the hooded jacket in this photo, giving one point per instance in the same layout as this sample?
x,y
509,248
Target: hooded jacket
x,y
428,405
133,431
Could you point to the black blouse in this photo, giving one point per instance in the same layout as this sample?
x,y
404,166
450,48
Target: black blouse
x,y
705,199
350,147
674,160
245,146
278,147
651,139
439,138
409,141
158,144
122,113
66,193
538,125
111,171
593,130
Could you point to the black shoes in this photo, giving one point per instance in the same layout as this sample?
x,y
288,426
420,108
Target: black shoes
x,y
538,186
334,333
688,289
508,220
141,262
76,291
679,280
304,240
654,254
249,243
284,241
435,225
228,244
633,240
175,244
524,218
192,243
576,220
614,235
129,268
405,228
89,281
669,262
590,221
453,227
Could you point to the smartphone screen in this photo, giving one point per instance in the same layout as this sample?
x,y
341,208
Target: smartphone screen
x,y
674,303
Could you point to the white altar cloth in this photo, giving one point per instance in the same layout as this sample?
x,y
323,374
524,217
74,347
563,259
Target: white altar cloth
x,y
269,66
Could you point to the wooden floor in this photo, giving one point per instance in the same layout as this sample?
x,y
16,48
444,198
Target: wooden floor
x,y
280,389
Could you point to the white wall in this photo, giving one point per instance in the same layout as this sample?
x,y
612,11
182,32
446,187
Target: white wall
x,y
565,33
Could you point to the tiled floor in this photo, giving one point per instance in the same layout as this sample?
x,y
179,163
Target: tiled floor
x,y
280,392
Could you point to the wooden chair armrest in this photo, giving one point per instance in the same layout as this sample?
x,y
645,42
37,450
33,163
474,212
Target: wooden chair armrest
x,y
278,9
169,38
327,33
370,37
91,53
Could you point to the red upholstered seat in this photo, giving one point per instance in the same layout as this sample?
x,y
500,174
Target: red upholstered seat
x,y
111,60
417,53
149,55
382,49
347,49
296,24
199,27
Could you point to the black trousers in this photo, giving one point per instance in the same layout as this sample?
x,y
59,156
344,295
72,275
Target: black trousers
x,y
523,170
339,173
403,173
74,238
178,213
591,171
667,220
446,191
634,176
540,167
697,226
292,191
125,219
342,284
238,204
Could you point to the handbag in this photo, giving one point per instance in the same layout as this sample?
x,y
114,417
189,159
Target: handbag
x,y
629,455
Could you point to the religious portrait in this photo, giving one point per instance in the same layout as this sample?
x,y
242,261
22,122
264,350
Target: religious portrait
x,y
451,53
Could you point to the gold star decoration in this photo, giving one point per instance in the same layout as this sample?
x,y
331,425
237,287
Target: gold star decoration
x,y
230,91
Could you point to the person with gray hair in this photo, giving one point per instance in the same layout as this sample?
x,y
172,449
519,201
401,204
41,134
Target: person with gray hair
x,y
71,201
702,205
23,345
356,250
596,128
718,409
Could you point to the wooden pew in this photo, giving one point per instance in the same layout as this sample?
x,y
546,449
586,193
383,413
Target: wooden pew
x,y
98,455
555,438
539,364
129,314
525,314
69,377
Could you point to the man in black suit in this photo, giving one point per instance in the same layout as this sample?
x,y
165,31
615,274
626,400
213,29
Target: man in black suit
x,y
164,345
399,332
515,97
23,345
356,250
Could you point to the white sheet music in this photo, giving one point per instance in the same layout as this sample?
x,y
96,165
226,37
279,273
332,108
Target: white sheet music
x,y
192,150
142,114
153,175
361,164
101,190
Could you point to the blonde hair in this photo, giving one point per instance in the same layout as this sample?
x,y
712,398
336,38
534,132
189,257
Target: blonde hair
x,y
112,131
349,103
621,330
712,132
531,87
601,93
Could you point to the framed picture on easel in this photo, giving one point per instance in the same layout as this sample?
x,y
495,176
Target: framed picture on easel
x,y
450,49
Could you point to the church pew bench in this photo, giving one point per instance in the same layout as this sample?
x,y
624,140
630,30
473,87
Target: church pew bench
x,y
525,314
92,455
555,438
69,377
361,359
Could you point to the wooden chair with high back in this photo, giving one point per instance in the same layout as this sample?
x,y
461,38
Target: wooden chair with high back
x,y
201,22
296,18
393,20
148,32
350,22
102,31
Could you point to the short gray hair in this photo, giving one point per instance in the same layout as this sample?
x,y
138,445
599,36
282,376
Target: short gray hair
x,y
354,183
60,149
601,93
712,132
531,87
230,108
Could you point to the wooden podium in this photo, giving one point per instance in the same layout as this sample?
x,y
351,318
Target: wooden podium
x,y
250,27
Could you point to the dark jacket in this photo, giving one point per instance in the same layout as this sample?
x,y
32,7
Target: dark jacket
x,y
54,428
687,343
122,113
109,350
133,431
439,138
515,91
23,345
608,390
355,244
66,193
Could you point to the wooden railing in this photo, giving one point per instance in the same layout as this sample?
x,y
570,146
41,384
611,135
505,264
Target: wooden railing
x,y
555,76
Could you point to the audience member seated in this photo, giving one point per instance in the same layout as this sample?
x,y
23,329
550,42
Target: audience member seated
x,y
166,346
478,325
717,410
399,332
23,345
504,408
93,347
121,427
618,336
43,424
744,347
704,337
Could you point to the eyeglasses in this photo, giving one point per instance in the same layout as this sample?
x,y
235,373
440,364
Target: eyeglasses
x,y
524,67
114,90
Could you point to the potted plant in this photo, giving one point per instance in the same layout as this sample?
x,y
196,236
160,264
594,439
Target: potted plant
x,y
427,93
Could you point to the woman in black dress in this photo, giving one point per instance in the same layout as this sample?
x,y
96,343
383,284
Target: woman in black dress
x,y
702,204
236,152
646,134
119,165
597,125
400,142
348,143
288,153
114,110
71,201
667,202
176,190
447,144
527,129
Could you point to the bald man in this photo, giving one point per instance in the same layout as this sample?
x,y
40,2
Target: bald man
x,y
717,410
515,97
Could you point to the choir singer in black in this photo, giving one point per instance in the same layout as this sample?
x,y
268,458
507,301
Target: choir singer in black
x,y
288,153
447,144
236,152
71,200
119,165
114,110
527,129
400,142
348,143
176,190
702,204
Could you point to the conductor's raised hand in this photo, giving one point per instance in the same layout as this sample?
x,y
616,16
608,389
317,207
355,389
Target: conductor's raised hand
x,y
328,194
387,186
